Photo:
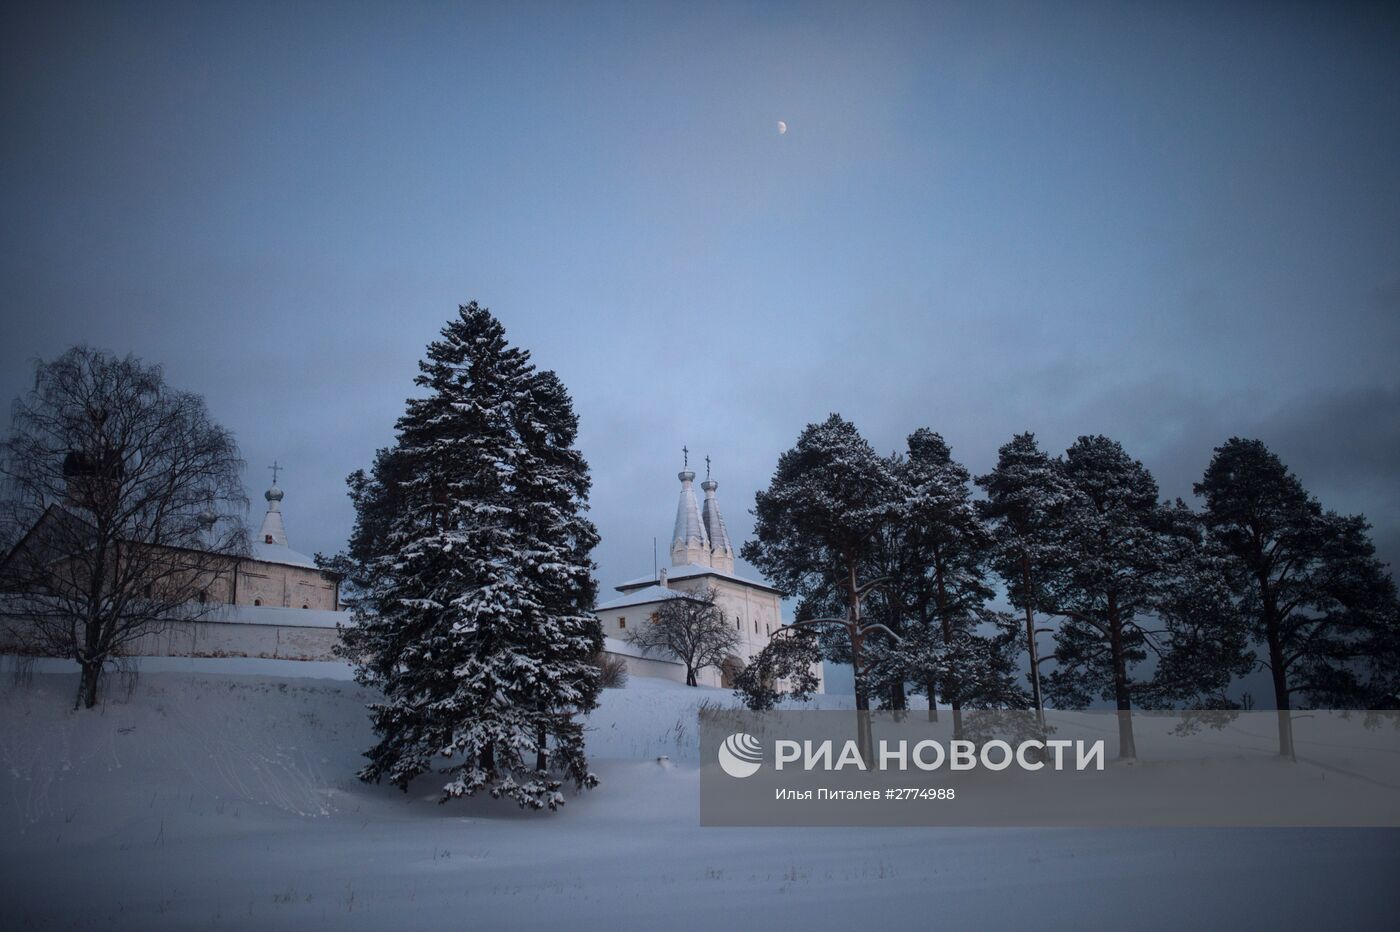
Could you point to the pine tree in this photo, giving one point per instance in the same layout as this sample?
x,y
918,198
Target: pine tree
x,y
893,604
1105,565
1025,493
829,497
947,550
1307,581
781,670
1201,639
475,625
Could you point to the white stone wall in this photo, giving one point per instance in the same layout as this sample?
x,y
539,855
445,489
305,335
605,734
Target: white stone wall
x,y
213,639
277,585
227,631
754,613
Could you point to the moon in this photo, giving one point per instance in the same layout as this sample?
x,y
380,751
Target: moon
x,y
782,127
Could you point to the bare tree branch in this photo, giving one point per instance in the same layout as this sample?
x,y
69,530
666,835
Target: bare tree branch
x,y
126,504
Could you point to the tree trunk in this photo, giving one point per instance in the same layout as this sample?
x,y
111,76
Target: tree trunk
x,y
1127,747
541,749
932,687
1030,642
899,702
1282,699
931,684
942,594
87,684
864,738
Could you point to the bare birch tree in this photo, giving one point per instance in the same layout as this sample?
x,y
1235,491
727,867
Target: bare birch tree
x,y
126,503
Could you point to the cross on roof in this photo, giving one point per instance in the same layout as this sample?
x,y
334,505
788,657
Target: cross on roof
x,y
707,466
685,451
274,467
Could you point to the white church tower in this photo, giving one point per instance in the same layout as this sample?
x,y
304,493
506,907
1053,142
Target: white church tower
x,y
273,531
690,544
700,537
721,550
702,558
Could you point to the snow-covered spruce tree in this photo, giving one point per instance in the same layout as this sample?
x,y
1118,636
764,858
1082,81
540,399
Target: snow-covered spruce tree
x,y
947,553
476,624
1025,493
815,522
376,497
1307,582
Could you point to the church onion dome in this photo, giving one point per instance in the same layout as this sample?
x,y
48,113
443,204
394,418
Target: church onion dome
x,y
273,532
721,550
689,542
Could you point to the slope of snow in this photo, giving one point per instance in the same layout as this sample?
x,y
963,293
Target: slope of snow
x,y
222,795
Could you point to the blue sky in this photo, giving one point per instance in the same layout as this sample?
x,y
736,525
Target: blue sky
x,y
1167,225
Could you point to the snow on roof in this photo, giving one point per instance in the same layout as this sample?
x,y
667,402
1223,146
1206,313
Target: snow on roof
x,y
651,593
714,520
690,529
619,646
691,570
279,553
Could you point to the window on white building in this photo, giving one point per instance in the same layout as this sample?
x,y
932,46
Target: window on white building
x,y
621,623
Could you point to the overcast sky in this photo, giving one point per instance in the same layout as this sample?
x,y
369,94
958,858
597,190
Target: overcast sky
x,y
1169,226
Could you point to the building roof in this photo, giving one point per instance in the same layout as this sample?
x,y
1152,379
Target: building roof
x,y
690,529
279,553
652,593
619,646
270,546
714,522
691,571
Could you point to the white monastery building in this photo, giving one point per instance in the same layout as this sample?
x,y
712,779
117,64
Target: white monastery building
x,y
277,603
701,555
274,602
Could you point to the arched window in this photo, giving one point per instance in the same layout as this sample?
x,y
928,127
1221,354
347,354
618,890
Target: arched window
x,y
257,601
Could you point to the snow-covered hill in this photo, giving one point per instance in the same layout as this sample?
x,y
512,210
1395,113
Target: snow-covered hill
x,y
221,795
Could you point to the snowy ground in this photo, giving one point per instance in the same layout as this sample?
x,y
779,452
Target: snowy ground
x,y
221,795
